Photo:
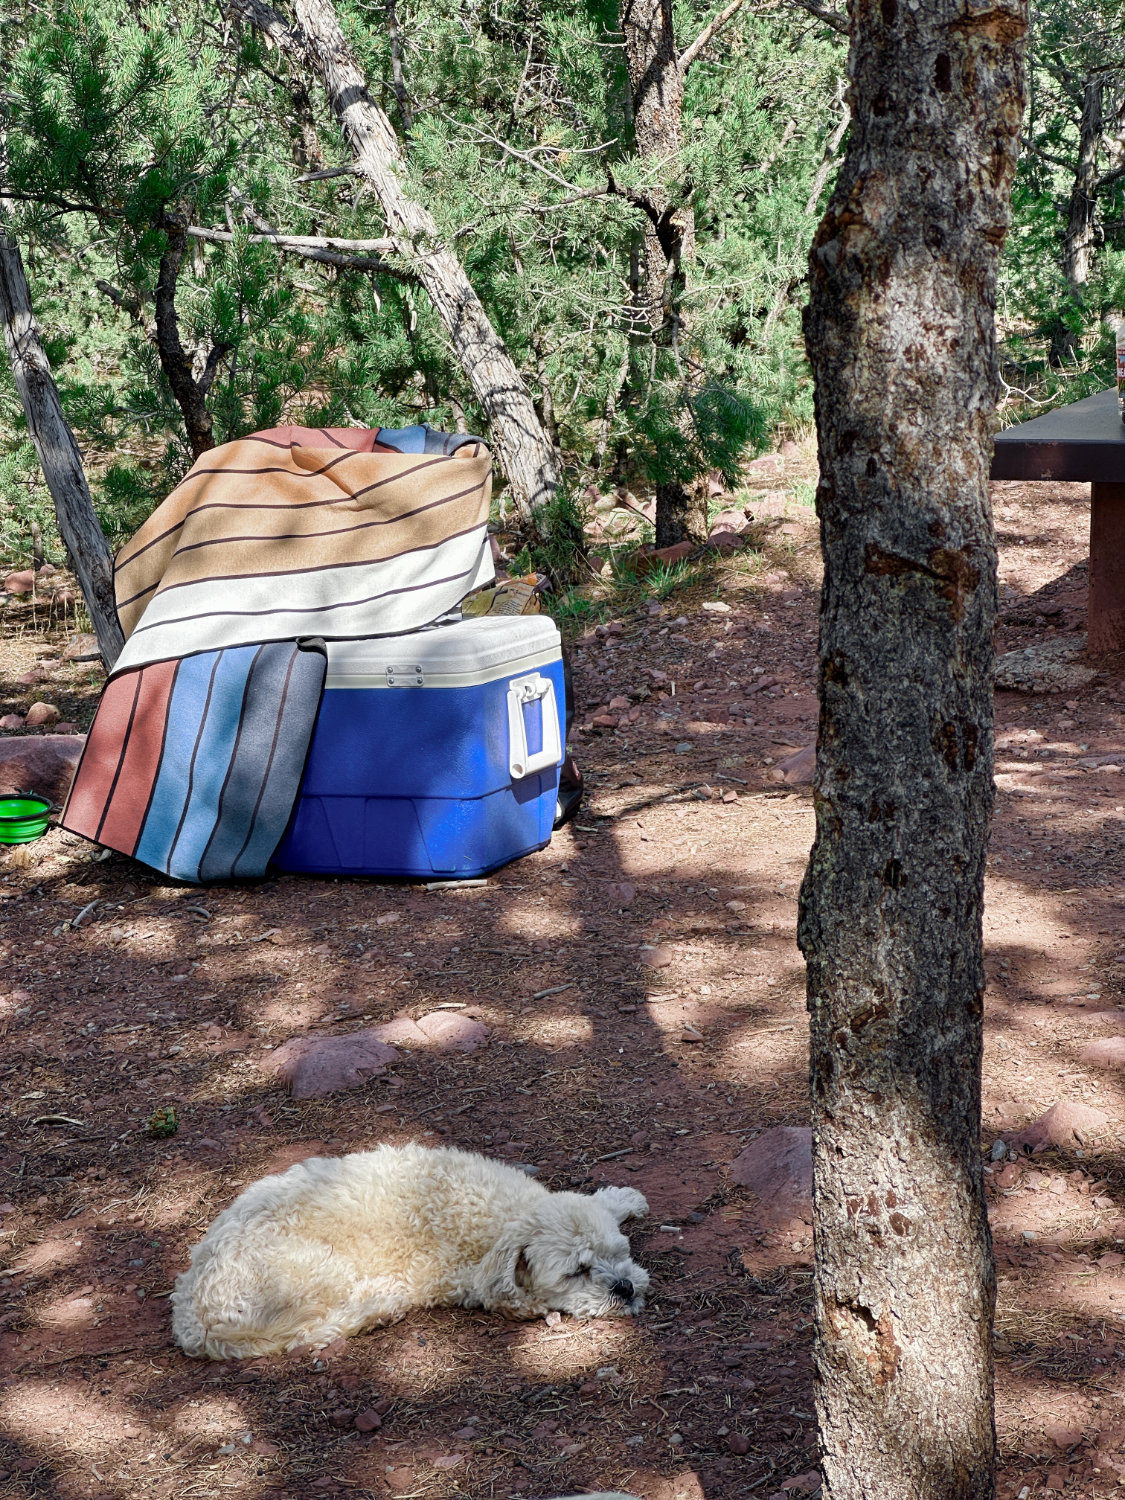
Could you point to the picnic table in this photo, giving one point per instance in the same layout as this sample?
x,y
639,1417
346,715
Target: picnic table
x,y
1083,442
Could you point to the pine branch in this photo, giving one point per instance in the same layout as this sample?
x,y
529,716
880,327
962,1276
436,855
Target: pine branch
x,y
714,25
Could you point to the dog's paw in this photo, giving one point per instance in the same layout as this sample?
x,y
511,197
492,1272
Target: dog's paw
x,y
623,1202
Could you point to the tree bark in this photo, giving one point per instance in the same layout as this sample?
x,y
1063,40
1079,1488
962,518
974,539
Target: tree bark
x,y
522,447
58,453
1078,237
900,334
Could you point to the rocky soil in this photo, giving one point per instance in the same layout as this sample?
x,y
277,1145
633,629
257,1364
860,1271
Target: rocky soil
x,y
630,1009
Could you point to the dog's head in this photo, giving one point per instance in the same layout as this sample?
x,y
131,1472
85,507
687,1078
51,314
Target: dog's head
x,y
572,1257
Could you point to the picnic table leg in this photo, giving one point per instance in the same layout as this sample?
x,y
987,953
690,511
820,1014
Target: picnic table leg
x,y
1105,611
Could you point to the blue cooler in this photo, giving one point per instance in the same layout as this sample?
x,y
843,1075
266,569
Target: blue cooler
x,y
435,754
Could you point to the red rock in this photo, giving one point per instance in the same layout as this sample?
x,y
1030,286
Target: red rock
x,y
738,1443
619,705
778,1167
726,541
621,893
83,644
48,570
1110,1259
64,726
20,583
39,715
11,721
313,1066
368,1421
400,1031
452,1032
797,769
604,721
1109,1052
1064,1124
1056,1480
43,764
341,1417
1062,1435
769,463
644,562
802,1484
728,520
264,1448
30,679
1008,1175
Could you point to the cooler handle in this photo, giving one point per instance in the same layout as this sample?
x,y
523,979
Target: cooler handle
x,y
530,689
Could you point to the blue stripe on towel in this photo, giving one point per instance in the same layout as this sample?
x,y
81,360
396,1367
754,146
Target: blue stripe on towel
x,y
203,719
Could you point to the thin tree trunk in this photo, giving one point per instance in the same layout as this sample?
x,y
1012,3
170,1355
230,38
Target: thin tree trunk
x,y
656,84
900,334
58,453
1078,238
522,447
190,393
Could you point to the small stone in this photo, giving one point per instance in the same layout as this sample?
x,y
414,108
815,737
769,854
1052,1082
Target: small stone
x,y
738,1443
999,1151
20,583
451,1032
30,679
797,769
689,1034
604,721
726,541
736,906
367,1421
64,726
676,1439
716,607
83,644
11,721
1102,1201
387,918
619,705
1107,1261
802,1484
659,957
341,1417
41,714
685,747
621,893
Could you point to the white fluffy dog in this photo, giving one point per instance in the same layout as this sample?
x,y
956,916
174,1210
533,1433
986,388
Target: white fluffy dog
x,y
336,1245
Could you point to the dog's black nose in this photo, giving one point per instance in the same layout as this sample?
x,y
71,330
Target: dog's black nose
x,y
623,1289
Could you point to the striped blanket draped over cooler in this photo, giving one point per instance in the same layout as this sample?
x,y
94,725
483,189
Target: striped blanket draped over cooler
x,y
269,545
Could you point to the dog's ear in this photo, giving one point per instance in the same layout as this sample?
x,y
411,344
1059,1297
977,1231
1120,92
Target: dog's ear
x,y
521,1272
622,1202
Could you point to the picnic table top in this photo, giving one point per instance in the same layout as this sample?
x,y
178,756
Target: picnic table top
x,y
1083,441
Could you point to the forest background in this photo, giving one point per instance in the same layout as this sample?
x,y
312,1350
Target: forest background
x,y
149,148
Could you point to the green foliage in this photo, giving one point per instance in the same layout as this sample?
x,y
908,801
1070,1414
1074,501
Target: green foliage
x,y
123,118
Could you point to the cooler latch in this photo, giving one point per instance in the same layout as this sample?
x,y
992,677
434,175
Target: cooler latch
x,y
405,677
523,693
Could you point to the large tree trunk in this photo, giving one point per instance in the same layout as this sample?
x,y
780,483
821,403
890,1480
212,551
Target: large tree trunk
x,y
522,447
1078,237
58,452
901,338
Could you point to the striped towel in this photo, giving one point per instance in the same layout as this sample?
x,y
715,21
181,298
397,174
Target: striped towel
x,y
195,756
298,532
192,766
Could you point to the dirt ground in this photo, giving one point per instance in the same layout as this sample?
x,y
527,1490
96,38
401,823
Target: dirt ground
x,y
643,996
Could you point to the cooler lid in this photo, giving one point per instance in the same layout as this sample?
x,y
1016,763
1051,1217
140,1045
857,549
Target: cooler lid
x,y
463,654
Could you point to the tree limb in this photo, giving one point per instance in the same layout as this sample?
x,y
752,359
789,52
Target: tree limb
x,y
829,17
340,253
714,25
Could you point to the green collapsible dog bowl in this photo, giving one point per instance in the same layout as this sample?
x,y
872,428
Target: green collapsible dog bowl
x,y
22,819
